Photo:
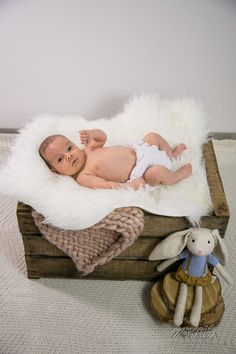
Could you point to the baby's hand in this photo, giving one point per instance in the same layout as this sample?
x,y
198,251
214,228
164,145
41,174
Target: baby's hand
x,y
136,183
85,137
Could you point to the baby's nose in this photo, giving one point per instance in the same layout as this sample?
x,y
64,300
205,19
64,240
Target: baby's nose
x,y
68,155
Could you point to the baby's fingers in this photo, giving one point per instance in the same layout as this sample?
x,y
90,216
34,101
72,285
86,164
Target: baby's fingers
x,y
84,137
83,133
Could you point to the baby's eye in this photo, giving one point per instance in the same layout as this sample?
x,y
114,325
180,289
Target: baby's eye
x,y
69,147
193,240
60,159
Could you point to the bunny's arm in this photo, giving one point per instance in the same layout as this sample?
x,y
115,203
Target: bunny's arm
x,y
163,265
225,275
213,260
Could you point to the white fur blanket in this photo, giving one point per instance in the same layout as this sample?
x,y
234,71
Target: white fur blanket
x,y
67,205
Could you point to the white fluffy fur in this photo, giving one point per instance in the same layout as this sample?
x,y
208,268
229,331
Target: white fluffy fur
x,y
67,205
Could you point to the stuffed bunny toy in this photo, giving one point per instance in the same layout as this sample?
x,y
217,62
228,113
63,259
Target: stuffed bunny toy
x,y
199,243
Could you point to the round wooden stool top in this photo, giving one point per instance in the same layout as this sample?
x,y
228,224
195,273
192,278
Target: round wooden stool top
x,y
164,306
210,295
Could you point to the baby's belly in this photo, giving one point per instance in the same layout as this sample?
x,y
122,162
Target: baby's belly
x,y
117,167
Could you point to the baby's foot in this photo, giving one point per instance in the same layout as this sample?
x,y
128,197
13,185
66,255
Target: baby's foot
x,y
184,172
177,151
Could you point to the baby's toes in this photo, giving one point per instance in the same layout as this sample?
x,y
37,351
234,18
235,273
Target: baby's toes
x,y
181,147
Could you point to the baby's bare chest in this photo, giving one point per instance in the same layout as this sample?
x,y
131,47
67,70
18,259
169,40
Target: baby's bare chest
x,y
111,162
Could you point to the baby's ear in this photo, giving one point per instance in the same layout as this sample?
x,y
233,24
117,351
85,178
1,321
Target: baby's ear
x,y
53,170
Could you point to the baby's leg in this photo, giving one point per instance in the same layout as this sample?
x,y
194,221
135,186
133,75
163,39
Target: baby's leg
x,y
157,174
156,139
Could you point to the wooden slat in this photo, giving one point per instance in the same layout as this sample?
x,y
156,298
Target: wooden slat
x,y
36,245
215,222
116,269
160,226
218,198
154,225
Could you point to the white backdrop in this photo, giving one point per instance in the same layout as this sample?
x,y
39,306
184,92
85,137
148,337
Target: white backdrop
x,y
87,57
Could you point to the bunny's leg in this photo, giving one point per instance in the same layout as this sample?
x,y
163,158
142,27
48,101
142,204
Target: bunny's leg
x,y
197,306
180,306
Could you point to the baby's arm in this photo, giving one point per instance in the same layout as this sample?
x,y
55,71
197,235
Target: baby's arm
x,y
95,182
93,138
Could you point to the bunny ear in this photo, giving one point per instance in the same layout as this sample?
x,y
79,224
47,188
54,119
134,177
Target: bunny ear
x,y
220,250
170,246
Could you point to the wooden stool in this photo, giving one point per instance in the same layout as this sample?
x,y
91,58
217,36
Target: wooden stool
x,y
164,296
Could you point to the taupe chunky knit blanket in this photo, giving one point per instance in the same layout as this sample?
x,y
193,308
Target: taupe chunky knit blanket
x,y
97,244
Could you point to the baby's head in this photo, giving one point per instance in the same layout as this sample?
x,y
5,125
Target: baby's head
x,y
61,155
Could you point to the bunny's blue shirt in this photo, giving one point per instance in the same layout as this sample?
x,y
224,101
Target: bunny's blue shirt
x,y
196,266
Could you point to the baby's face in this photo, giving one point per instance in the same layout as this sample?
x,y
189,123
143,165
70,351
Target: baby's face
x,y
64,156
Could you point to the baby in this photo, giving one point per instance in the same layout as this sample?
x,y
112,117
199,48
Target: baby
x,y
95,166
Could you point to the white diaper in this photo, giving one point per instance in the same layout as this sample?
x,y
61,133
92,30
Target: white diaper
x,y
147,156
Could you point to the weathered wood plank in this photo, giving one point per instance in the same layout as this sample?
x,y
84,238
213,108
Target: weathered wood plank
x,y
116,269
36,245
154,225
215,222
161,226
218,198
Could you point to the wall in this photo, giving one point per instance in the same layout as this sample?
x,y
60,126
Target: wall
x,y
88,56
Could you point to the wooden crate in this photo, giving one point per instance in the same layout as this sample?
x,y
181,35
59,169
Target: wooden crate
x,y
44,260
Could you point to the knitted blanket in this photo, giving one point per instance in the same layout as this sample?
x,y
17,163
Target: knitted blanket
x,y
99,243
